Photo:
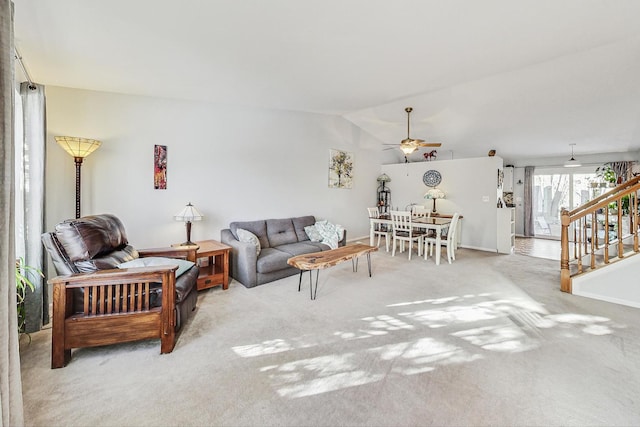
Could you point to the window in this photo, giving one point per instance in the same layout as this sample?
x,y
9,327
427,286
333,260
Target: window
x,y
555,188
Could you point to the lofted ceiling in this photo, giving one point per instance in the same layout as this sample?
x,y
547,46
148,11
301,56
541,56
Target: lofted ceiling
x,y
524,77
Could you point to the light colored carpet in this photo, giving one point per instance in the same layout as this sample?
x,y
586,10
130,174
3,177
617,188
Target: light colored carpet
x,y
487,340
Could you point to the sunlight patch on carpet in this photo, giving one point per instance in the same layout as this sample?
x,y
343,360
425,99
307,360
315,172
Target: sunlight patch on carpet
x,y
318,375
508,338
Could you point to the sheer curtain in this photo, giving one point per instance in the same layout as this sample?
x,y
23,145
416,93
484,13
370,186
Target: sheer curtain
x,y
30,184
529,225
11,411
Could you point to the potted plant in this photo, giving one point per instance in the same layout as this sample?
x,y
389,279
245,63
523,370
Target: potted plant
x,y
607,174
24,273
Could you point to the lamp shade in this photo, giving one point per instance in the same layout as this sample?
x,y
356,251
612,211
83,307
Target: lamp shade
x,y
408,149
188,214
78,147
384,178
434,193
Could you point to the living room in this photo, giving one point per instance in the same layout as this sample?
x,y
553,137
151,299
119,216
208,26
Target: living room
x,y
238,152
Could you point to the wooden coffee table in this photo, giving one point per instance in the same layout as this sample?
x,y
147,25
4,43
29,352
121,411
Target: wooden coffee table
x,y
325,259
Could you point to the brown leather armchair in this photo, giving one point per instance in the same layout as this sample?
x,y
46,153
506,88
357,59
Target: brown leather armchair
x,y
95,303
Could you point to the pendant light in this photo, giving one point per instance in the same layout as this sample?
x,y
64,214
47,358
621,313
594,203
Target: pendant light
x,y
572,162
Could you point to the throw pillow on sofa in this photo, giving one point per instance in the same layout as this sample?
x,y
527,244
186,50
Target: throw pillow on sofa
x,y
248,237
331,233
313,233
152,261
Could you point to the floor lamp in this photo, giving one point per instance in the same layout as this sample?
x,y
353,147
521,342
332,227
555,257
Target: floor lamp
x,y
79,148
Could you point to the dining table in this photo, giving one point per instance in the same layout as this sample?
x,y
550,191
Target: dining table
x,y
427,223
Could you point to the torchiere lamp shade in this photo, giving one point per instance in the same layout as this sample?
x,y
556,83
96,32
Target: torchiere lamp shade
x,y
79,148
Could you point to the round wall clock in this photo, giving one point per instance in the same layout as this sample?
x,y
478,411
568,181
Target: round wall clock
x,y
431,178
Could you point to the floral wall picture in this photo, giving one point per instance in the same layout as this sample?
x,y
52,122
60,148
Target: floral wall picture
x,y
340,169
160,167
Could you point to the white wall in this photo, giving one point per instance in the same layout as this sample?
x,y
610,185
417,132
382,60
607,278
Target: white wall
x,y
232,163
617,283
466,183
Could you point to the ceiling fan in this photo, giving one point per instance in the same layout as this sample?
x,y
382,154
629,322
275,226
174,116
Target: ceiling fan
x,y
409,145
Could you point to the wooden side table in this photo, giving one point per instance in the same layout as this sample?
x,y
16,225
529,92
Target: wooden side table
x,y
213,259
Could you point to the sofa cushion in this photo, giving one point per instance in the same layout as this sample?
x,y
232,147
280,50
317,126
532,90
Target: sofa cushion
x,y
281,232
90,236
259,228
272,259
299,248
319,246
152,261
108,261
299,225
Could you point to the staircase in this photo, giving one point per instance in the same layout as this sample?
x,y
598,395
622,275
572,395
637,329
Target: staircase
x,y
599,234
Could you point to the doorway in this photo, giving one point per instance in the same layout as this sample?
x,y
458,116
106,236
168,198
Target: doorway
x,y
555,188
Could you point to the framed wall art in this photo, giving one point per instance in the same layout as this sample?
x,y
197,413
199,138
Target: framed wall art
x,y
340,169
160,167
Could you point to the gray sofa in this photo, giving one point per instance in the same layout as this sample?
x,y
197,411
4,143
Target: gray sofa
x,y
280,239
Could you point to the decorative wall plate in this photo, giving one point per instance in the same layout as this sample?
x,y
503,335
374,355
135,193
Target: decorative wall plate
x,y
431,178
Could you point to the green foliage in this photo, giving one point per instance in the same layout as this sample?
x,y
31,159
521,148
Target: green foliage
x,y
613,206
24,273
625,205
606,173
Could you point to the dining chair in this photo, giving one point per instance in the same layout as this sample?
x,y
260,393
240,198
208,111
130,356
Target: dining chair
x,y
421,211
447,238
380,230
403,231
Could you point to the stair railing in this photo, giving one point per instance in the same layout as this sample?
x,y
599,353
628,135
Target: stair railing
x,y
591,231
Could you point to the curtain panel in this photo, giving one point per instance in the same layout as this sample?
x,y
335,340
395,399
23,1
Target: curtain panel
x,y
11,410
31,190
529,225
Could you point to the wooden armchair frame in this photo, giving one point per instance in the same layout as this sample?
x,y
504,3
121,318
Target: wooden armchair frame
x,y
118,309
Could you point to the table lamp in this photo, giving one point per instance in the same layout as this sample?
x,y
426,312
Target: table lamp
x,y
188,214
434,194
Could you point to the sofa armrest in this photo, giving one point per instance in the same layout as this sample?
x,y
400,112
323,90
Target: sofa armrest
x,y
243,259
113,293
343,242
182,252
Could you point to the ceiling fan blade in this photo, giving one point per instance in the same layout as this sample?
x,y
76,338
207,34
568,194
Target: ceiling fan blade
x,y
430,144
411,141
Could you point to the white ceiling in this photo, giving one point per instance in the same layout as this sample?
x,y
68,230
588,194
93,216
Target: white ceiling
x,y
524,77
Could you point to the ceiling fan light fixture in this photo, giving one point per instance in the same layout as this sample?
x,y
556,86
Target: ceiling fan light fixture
x,y
572,162
408,149
409,145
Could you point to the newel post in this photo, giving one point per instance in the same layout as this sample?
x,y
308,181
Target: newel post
x,y
565,277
